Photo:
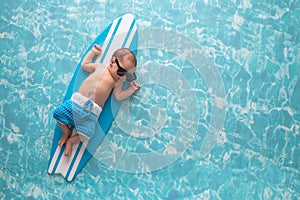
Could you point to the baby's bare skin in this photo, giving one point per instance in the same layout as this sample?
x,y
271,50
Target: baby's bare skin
x,y
97,86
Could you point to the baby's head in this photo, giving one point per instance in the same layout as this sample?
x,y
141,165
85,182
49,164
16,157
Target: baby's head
x,y
124,62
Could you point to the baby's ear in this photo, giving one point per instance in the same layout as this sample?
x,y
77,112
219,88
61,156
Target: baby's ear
x,y
112,60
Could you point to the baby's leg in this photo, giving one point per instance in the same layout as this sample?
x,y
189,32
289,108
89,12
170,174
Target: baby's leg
x,y
66,133
72,140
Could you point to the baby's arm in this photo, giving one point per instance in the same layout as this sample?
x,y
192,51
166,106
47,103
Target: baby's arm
x,y
121,94
87,63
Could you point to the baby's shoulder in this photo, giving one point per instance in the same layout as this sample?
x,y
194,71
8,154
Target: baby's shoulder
x,y
100,66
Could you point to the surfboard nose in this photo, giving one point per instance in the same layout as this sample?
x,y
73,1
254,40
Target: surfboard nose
x,y
128,15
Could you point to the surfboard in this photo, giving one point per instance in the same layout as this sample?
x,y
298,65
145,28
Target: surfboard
x,y
122,32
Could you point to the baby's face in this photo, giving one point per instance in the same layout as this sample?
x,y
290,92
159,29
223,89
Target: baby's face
x,y
125,67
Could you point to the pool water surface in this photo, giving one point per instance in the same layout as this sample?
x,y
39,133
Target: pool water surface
x,y
217,115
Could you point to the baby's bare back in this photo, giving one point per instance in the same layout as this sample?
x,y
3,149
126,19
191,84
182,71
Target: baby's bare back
x,y
98,85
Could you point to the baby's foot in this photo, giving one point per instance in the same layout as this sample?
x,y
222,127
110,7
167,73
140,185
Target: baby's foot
x,y
96,49
64,138
69,144
68,149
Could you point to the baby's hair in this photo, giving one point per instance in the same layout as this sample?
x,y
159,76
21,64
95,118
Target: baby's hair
x,y
120,54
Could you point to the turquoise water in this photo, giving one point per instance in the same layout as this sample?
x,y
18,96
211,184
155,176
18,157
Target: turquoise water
x,y
220,83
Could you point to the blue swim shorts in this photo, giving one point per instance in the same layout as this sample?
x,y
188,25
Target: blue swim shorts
x,y
80,113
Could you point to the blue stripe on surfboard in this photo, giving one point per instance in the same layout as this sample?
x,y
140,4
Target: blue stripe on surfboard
x,y
110,41
58,159
128,33
54,147
85,157
73,160
133,45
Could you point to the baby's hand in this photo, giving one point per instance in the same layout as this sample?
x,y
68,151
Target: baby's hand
x,y
97,50
134,86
